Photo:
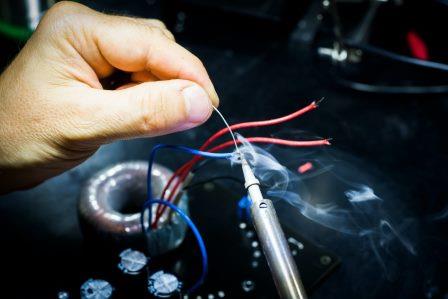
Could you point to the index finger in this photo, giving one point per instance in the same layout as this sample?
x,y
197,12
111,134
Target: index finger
x,y
132,45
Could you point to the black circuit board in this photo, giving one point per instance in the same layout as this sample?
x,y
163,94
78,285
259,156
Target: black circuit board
x,y
237,267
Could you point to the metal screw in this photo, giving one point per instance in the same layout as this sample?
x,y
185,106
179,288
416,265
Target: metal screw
x,y
248,285
325,260
63,295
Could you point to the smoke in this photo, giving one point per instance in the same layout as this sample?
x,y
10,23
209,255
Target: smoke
x,y
439,216
364,194
337,203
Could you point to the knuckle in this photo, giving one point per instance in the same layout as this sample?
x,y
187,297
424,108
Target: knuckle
x,y
168,34
156,32
61,9
198,62
158,23
61,16
157,27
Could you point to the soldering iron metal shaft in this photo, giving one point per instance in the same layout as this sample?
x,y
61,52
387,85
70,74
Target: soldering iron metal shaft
x,y
272,239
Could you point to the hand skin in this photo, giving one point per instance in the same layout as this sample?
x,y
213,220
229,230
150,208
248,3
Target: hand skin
x,y
55,113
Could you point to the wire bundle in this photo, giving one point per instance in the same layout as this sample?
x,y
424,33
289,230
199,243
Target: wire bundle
x,y
205,151
182,173
150,201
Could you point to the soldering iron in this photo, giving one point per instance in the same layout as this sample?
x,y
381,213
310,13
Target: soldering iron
x,y
275,247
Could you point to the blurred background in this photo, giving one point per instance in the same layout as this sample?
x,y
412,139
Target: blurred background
x,y
382,67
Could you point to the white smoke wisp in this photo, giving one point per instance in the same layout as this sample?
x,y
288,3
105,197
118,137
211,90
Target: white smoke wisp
x,y
358,214
364,194
267,169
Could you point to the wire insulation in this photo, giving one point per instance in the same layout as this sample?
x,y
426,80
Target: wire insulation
x,y
195,231
183,171
152,156
253,124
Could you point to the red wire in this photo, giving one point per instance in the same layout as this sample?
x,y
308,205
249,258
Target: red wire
x,y
252,124
230,143
263,123
183,171
292,143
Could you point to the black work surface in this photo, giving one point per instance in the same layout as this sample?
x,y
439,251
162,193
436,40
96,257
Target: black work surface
x,y
401,137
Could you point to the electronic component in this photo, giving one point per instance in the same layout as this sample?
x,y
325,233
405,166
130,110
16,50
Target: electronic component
x,y
96,289
248,285
160,228
132,261
164,285
63,295
110,202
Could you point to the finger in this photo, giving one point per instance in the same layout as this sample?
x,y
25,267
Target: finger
x,y
125,49
143,76
145,110
126,44
127,85
152,23
159,24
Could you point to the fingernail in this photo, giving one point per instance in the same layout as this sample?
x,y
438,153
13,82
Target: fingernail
x,y
214,96
197,104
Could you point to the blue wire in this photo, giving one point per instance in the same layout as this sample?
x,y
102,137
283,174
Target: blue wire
x,y
150,201
152,156
195,231
243,210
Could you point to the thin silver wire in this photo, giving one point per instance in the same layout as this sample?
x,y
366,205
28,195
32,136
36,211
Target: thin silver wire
x,y
230,130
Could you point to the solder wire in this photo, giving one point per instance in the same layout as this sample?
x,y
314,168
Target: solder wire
x,y
252,124
182,172
229,128
161,210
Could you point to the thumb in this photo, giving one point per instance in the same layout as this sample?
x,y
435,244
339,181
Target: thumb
x,y
145,110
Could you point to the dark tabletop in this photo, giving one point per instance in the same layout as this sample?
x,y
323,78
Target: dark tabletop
x,y
399,139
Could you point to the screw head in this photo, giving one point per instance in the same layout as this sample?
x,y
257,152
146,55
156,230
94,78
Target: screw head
x,y
325,260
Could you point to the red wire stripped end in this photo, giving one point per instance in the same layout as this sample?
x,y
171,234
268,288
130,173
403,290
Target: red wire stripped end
x,y
185,169
253,124
263,123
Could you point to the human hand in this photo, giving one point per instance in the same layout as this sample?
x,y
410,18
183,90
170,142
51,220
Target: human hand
x,y
55,113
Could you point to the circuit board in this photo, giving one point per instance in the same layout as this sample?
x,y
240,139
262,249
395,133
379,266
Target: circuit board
x,y
237,268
